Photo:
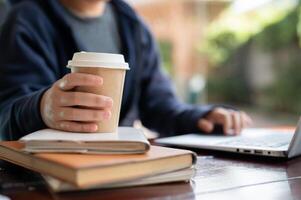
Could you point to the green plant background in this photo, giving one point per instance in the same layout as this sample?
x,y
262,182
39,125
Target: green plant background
x,y
228,48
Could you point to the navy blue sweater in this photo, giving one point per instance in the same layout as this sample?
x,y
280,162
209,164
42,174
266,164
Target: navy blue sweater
x,y
35,45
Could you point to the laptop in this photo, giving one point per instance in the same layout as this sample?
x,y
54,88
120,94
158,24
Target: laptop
x,y
256,141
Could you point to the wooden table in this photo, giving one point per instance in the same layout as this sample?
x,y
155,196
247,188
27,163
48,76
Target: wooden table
x,y
219,176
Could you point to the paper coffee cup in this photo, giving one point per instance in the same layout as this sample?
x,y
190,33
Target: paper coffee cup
x,y
112,68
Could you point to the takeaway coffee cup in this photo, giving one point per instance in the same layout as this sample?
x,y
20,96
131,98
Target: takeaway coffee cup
x,y
112,68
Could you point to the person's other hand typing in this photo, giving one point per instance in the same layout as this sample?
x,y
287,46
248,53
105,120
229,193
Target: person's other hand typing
x,y
232,121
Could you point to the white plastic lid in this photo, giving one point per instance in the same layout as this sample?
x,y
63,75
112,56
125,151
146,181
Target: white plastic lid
x,y
104,60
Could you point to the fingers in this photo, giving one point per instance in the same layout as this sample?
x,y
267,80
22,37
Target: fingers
x,y
82,115
237,122
86,100
232,121
205,125
227,121
223,117
73,80
75,111
77,127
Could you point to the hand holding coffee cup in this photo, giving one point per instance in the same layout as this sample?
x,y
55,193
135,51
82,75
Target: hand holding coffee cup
x,y
68,110
89,99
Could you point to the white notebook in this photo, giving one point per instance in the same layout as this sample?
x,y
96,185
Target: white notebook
x,y
127,140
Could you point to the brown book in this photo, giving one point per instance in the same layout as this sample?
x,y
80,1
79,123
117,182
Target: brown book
x,y
181,175
84,170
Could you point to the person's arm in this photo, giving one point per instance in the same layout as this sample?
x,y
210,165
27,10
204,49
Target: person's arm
x,y
4,8
25,72
159,108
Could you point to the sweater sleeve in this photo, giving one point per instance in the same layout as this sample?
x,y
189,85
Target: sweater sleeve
x,y
25,74
159,107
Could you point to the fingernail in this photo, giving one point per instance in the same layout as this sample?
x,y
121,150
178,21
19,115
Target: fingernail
x,y
62,84
231,132
107,115
100,81
95,127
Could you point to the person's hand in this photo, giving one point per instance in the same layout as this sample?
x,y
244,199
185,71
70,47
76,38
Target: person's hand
x,y
232,121
64,109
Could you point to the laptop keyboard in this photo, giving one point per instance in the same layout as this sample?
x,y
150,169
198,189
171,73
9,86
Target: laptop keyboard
x,y
265,141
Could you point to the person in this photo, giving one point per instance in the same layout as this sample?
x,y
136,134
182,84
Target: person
x,y
36,88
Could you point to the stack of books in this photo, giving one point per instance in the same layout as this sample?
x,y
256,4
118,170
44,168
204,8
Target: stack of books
x,y
76,161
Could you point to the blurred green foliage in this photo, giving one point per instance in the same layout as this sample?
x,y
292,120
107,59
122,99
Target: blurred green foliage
x,y
165,52
284,94
229,48
280,34
233,30
228,84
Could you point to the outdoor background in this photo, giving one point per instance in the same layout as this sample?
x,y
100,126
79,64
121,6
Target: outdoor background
x,y
245,53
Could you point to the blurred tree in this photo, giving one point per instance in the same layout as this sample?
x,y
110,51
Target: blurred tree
x,y
233,29
231,46
165,51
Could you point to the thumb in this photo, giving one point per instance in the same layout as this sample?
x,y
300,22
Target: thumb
x,y
205,125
